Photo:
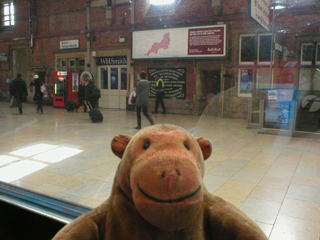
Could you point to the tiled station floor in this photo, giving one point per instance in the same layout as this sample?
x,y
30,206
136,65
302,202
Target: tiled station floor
x,y
274,179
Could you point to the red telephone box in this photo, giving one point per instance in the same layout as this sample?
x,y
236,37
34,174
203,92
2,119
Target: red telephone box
x,y
66,87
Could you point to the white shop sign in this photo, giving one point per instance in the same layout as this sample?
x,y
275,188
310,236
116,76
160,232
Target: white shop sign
x,y
259,11
3,56
69,44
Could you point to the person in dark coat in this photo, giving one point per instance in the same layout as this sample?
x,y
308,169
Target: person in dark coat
x,y
82,95
18,89
90,93
142,91
38,95
160,92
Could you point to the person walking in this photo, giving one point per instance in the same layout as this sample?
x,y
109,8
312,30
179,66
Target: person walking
x,y
19,90
38,94
82,96
142,91
160,92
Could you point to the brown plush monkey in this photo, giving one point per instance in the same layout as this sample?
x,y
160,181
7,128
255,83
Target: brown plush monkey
x,y
158,193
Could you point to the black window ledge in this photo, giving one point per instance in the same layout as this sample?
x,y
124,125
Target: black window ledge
x,y
48,206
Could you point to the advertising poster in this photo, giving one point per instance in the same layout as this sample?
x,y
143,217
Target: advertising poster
x,y
279,108
245,83
272,95
174,81
188,42
277,113
206,41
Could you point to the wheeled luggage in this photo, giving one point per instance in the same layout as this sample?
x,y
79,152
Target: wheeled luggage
x,y
94,114
71,106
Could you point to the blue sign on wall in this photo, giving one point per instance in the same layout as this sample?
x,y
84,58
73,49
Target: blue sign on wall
x,y
279,108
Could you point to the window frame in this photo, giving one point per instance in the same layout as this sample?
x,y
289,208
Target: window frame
x,y
309,63
72,63
62,65
11,15
240,49
258,77
305,74
318,53
259,50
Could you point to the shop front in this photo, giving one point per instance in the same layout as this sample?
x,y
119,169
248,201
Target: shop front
x,y
113,79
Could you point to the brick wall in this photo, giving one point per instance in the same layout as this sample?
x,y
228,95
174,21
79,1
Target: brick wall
x,y
66,20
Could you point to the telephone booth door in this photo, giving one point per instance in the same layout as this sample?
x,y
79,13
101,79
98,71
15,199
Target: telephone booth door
x,y
60,88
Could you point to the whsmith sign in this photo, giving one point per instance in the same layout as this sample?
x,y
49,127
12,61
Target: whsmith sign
x,y
116,60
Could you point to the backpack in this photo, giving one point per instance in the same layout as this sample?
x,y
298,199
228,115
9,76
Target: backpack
x,y
96,92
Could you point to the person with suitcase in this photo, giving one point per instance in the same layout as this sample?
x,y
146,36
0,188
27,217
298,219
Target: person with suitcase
x,y
92,93
92,96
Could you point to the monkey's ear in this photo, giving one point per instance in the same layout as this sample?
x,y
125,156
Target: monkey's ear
x,y
205,147
119,144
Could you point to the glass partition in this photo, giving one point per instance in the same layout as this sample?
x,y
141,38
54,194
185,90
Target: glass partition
x,y
59,86
114,81
245,79
75,82
104,78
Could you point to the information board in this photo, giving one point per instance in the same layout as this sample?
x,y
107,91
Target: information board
x,y
279,108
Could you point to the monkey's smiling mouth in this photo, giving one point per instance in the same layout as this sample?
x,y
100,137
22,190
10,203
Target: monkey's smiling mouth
x,y
169,200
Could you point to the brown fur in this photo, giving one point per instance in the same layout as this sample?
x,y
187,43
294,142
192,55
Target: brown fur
x,y
158,194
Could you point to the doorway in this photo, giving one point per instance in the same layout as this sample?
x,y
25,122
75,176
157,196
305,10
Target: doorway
x,y
20,64
210,89
113,82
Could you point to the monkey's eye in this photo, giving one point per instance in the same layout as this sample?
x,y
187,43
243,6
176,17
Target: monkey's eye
x,y
186,145
146,145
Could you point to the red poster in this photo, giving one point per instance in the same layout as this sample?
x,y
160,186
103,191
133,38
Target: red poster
x,y
206,41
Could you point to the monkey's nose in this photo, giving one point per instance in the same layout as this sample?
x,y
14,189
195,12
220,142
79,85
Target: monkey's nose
x,y
170,178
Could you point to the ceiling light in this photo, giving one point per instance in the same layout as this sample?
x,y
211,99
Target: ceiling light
x,y
278,4
161,2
